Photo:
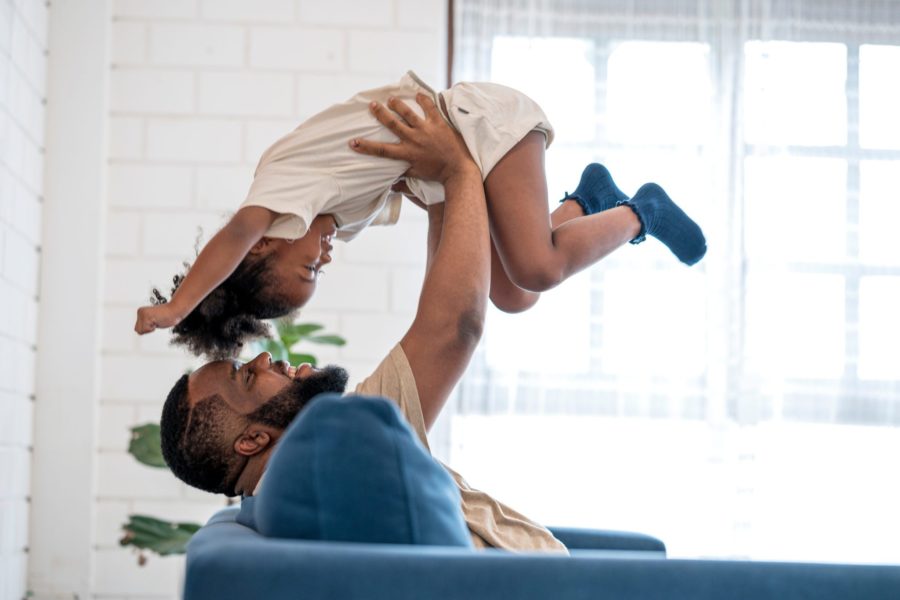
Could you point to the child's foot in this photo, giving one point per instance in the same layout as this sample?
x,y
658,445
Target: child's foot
x,y
596,191
661,218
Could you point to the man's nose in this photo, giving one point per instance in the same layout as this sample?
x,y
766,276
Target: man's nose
x,y
262,362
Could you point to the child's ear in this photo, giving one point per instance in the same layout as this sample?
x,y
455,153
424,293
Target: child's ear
x,y
263,246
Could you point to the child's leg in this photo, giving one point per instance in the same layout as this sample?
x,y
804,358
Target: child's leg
x,y
506,295
535,256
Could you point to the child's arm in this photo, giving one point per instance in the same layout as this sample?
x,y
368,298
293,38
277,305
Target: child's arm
x,y
218,259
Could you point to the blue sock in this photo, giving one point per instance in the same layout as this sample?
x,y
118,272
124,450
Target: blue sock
x,y
596,191
661,218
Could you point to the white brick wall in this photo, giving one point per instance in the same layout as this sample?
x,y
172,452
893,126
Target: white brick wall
x,y
23,41
199,88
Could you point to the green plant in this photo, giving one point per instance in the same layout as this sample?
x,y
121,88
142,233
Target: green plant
x,y
162,537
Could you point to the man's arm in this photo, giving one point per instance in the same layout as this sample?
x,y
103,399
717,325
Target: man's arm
x,y
452,305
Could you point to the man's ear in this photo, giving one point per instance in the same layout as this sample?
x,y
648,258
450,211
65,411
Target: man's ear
x,y
252,441
263,246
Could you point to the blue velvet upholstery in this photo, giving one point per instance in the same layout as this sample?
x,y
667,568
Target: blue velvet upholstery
x,y
350,469
227,560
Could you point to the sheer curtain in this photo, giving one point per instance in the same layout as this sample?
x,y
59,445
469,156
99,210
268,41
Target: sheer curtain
x,y
748,406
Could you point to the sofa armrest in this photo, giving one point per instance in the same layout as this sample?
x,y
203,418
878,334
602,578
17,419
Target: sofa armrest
x,y
600,539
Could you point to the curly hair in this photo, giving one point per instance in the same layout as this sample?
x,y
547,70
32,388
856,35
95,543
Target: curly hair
x,y
192,441
231,314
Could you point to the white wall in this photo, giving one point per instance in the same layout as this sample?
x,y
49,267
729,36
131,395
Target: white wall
x,y
198,89
23,41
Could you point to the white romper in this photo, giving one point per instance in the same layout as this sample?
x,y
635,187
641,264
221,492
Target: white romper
x,y
312,170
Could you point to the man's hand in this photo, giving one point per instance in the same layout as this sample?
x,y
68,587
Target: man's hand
x,y
159,316
433,149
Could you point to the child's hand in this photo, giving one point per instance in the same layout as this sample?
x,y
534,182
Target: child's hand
x,y
434,150
402,188
159,316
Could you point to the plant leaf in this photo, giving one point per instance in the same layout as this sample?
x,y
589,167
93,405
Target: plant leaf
x,y
290,334
296,359
333,340
145,445
162,537
276,349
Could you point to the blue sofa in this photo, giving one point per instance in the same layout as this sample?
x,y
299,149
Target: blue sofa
x,y
350,469
226,559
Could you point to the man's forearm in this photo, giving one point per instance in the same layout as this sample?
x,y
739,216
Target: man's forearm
x,y
435,228
457,284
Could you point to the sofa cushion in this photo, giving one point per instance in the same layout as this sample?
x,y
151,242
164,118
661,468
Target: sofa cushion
x,y
349,468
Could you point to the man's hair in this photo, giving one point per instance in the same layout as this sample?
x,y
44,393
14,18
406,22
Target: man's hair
x,y
193,444
232,313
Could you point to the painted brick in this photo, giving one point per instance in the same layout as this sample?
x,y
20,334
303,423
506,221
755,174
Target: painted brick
x,y
418,15
156,343
223,188
17,463
7,185
110,516
403,243
181,510
117,572
302,49
28,55
14,152
23,417
371,336
32,166
140,378
262,134
347,13
34,13
318,91
29,320
126,137
406,285
340,287
128,281
376,52
27,215
8,350
258,11
25,362
154,91
200,141
118,329
16,302
123,233
20,262
121,476
116,421
256,94
150,186
175,234
4,76
129,42
158,9
196,45
6,17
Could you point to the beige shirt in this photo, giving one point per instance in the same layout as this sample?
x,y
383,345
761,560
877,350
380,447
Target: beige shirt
x,y
312,170
491,523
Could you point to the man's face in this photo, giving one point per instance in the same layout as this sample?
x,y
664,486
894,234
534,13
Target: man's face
x,y
263,389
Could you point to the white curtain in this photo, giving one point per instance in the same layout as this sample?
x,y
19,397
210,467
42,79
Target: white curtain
x,y
748,406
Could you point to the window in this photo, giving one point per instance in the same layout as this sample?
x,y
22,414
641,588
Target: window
x,y
726,407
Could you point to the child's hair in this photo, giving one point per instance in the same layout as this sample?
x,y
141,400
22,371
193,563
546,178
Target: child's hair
x,y
232,313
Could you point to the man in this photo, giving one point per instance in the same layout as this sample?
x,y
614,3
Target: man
x,y
221,423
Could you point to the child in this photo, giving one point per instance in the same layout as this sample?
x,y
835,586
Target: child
x,y
310,186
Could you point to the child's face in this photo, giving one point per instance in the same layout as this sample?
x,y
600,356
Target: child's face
x,y
296,265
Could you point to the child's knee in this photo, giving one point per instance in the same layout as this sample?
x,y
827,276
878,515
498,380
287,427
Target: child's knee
x,y
515,303
537,277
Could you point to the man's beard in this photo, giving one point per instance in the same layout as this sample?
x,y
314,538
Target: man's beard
x,y
284,406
